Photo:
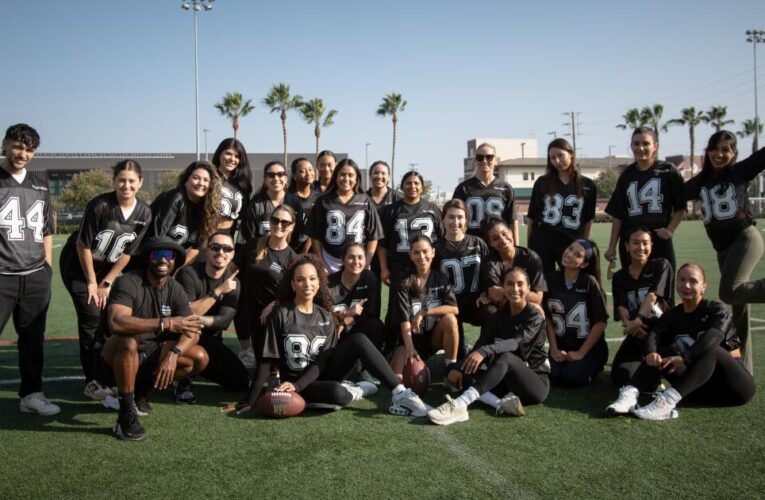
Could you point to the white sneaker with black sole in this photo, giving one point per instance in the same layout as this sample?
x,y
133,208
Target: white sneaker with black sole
x,y
661,408
407,402
625,402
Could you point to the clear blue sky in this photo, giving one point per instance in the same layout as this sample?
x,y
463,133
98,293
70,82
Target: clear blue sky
x,y
96,76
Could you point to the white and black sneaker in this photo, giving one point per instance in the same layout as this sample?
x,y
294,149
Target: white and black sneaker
x,y
359,390
661,408
128,427
95,391
407,402
625,403
184,392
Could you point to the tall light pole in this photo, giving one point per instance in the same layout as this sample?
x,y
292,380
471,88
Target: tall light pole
x,y
610,156
754,37
205,130
366,163
196,6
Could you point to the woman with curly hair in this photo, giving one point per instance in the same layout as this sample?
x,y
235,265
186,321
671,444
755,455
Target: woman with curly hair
x,y
230,159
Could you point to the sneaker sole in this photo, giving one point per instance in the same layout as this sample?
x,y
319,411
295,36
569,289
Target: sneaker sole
x,y
24,409
404,411
611,412
117,430
672,415
460,418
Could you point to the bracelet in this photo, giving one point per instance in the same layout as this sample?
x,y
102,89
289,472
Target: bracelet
x,y
175,350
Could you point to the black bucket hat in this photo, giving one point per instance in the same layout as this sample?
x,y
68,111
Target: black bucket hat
x,y
163,243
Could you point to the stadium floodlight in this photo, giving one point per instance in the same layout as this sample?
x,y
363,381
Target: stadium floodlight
x,y
754,37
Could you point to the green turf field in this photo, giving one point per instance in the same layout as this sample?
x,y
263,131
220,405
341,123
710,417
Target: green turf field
x,y
561,449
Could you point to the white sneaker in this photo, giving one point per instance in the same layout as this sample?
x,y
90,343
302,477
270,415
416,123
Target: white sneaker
x,y
111,403
511,405
357,393
407,402
448,413
625,403
97,392
247,357
658,409
36,403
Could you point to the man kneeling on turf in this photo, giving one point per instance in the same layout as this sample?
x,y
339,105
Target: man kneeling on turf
x,y
154,335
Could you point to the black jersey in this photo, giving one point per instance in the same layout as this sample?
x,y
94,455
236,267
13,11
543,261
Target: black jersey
x,y
573,311
134,290
436,292
523,334
24,222
174,215
725,199
199,285
563,211
461,261
261,279
391,196
295,338
528,260
306,206
107,233
656,277
256,220
496,198
401,223
233,203
647,198
367,287
694,334
335,223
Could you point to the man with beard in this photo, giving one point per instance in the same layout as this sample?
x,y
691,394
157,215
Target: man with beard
x,y
154,334
213,291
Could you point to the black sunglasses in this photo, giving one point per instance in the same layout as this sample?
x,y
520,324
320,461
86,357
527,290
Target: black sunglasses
x,y
274,175
217,247
280,222
480,158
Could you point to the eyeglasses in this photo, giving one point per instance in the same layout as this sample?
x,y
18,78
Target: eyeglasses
x,y
480,158
157,255
280,222
217,247
274,175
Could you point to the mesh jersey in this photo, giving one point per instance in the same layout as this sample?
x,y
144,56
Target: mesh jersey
x,y
656,277
175,216
564,211
401,223
573,311
334,223
496,198
461,261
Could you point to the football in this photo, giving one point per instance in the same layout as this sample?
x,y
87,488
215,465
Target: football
x,y
416,375
280,404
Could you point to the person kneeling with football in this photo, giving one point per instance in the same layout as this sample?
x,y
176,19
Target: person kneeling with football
x,y
153,332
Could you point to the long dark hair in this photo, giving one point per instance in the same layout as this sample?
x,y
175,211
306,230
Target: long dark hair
x,y
293,184
241,177
410,282
211,202
551,173
347,162
592,253
322,298
723,135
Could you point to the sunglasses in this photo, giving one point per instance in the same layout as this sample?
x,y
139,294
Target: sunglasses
x,y
480,158
274,175
280,222
217,247
157,255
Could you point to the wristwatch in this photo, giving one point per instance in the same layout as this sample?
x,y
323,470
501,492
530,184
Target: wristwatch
x,y
175,350
214,295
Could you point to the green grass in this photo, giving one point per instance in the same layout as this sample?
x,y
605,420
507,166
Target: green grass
x,y
563,448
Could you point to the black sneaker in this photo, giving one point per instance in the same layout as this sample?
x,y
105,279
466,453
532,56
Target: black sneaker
x,y
142,406
128,427
184,392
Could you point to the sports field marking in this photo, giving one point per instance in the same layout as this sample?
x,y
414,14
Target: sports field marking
x,y
15,381
56,246
500,481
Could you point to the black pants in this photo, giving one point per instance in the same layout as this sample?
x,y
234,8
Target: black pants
x,y
148,362
626,362
717,376
224,367
27,299
327,389
507,372
549,244
88,317
582,372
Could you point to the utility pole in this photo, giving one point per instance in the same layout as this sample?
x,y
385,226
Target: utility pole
x,y
573,125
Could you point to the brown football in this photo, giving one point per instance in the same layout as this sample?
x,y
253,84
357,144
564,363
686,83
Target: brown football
x,y
416,375
281,404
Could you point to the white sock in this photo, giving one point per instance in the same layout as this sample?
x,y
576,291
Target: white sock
x,y
448,362
490,399
398,389
672,396
467,397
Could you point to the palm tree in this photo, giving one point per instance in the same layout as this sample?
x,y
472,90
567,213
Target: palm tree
x,y
632,119
651,115
233,106
313,112
391,105
748,128
691,118
716,117
279,99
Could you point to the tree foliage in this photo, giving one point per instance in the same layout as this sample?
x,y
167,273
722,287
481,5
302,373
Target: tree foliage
x,y
279,99
606,181
715,116
313,113
392,104
233,106
83,187
167,181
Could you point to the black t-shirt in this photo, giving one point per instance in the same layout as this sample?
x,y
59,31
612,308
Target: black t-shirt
x,y
295,338
391,196
306,206
107,233
646,198
24,222
523,334
725,199
175,216
134,290
564,211
461,261
401,223
335,224
198,285
260,280
573,311
496,198
656,277
256,220
233,203
528,260
367,287
437,291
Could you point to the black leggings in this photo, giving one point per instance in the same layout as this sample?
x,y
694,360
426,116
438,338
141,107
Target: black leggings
x,y
717,376
549,244
627,361
88,317
507,372
582,372
224,367
371,327
327,388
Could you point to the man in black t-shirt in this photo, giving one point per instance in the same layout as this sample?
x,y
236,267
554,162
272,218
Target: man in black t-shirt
x,y
26,247
213,292
154,334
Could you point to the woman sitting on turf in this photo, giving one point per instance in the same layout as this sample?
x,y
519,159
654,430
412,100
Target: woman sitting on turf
x,y
695,347
512,348
301,341
575,307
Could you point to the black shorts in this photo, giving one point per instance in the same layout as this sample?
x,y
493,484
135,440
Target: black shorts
x,y
148,362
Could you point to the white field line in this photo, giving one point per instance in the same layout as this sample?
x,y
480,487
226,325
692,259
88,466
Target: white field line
x,y
16,381
56,246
